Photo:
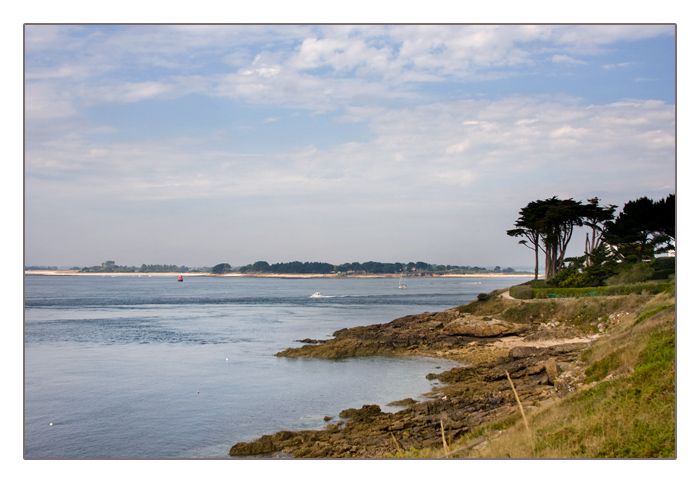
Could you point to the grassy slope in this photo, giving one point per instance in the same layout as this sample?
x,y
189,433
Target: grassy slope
x,y
627,407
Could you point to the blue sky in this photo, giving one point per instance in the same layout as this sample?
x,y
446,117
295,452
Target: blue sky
x,y
202,144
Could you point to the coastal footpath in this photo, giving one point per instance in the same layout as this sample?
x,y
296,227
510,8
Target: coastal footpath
x,y
539,379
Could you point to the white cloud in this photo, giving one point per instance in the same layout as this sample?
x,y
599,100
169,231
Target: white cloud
x,y
342,63
618,65
425,157
565,59
419,149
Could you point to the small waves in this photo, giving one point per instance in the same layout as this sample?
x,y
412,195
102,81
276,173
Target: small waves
x,y
413,299
121,331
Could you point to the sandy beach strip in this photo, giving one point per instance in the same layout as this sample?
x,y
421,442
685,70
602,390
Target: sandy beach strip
x,y
115,274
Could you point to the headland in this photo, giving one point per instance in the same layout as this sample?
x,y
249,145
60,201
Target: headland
x,y
541,379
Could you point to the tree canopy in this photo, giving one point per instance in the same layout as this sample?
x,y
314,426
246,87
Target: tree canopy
x,y
221,268
642,229
548,225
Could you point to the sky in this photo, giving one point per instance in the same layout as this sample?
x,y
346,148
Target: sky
x,y
202,144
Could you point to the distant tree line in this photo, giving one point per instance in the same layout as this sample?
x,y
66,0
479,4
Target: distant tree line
x,y
615,247
163,268
290,267
110,267
370,267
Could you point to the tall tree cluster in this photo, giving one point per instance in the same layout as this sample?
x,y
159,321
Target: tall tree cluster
x,y
643,228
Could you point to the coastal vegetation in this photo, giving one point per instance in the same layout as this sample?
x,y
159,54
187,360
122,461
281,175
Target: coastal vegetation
x,y
642,229
625,407
111,267
221,269
371,267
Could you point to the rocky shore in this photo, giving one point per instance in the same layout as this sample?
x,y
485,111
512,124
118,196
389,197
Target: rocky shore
x,y
537,346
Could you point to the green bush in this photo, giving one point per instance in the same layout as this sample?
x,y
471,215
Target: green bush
x,y
482,297
665,263
662,274
649,287
543,293
636,273
638,288
520,292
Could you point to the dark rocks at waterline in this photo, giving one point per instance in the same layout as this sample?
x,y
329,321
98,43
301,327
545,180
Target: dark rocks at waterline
x,y
472,396
429,332
370,433
409,401
541,363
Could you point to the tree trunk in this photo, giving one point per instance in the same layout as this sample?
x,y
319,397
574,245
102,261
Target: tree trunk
x,y
537,255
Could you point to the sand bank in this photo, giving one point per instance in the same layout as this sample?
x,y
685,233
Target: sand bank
x,y
115,274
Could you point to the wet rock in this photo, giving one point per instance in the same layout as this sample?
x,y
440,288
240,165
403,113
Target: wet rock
x,y
403,402
367,413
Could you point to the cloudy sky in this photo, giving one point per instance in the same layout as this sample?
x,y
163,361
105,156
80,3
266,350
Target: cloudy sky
x,y
201,144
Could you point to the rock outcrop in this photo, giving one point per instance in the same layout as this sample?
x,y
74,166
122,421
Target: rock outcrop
x,y
540,361
483,327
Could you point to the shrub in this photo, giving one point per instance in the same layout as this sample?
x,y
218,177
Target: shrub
x,y
639,272
482,297
520,292
577,280
665,263
543,293
662,274
638,288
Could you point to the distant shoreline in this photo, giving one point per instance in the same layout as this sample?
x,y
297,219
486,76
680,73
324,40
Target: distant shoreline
x,y
260,275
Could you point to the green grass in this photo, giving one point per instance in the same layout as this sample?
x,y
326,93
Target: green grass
x,y
628,409
626,417
655,311
600,369
645,403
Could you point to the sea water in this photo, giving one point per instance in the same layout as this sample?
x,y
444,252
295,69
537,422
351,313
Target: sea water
x,y
146,367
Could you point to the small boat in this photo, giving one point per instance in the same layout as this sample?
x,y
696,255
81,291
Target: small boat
x,y
179,279
402,286
316,295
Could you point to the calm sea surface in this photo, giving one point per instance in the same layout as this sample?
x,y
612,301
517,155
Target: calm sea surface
x,y
146,367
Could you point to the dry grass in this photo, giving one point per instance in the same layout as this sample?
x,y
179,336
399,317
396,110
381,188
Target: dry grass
x,y
627,410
